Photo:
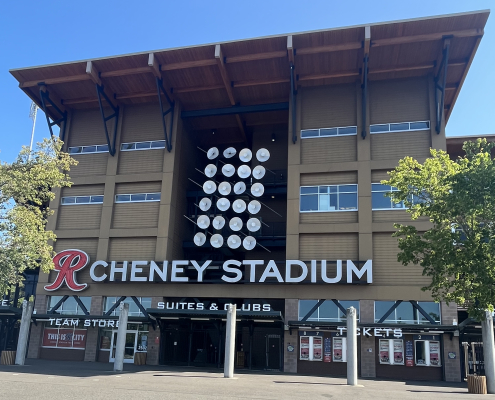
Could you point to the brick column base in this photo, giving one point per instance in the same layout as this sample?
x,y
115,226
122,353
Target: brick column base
x,y
452,366
91,344
153,356
290,359
35,340
368,359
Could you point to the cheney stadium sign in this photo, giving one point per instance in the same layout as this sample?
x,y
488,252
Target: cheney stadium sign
x,y
69,262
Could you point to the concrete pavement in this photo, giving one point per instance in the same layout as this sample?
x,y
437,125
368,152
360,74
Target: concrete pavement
x,y
45,380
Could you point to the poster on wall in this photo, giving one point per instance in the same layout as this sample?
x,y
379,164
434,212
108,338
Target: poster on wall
x,y
317,348
409,353
434,353
337,349
398,352
384,352
304,348
67,338
327,350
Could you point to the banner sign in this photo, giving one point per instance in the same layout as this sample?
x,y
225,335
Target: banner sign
x,y
327,350
409,353
73,338
68,262
378,332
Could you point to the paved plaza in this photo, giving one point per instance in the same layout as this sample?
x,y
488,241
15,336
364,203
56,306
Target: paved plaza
x,y
41,379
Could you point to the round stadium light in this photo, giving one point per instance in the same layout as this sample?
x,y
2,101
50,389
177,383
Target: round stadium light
x,y
203,222
257,190
210,170
223,204
243,171
205,204
259,172
230,152
218,222
216,240
254,206
253,224
245,155
209,187
235,224
249,242
212,153
239,206
224,188
262,155
239,187
228,170
199,239
234,241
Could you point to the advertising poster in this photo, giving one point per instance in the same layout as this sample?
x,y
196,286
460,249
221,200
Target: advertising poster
x,y
398,352
434,353
50,337
304,348
409,353
384,352
327,350
337,349
79,339
53,337
317,348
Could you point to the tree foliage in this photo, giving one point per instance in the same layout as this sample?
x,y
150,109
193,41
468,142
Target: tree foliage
x,y
25,192
458,197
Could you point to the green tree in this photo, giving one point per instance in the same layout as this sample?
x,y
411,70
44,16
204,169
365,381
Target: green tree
x,y
25,191
458,197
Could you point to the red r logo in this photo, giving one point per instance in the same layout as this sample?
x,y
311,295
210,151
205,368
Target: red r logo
x,y
67,262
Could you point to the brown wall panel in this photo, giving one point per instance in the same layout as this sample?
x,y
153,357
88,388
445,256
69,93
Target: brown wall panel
x,y
138,187
140,161
387,270
128,249
86,128
135,215
328,149
399,101
79,216
83,190
328,217
391,216
329,178
89,164
394,146
328,106
142,123
379,175
316,246
61,354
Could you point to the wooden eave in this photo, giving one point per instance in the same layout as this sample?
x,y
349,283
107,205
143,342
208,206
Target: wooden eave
x,y
258,69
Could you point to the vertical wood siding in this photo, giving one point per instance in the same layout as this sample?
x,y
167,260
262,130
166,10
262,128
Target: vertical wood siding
x,y
328,149
394,146
140,161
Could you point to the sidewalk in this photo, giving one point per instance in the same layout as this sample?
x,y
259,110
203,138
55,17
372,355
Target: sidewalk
x,y
42,379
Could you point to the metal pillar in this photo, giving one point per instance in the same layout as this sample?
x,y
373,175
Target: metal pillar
x,y
352,362
118,365
488,351
22,343
228,367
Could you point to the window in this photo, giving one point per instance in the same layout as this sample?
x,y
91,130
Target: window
x,y
400,127
67,338
155,144
100,148
69,306
328,311
328,198
405,313
339,349
311,348
427,353
78,200
325,132
379,200
137,197
133,308
391,351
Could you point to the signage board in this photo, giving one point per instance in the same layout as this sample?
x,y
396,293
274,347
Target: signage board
x,y
73,338
409,353
327,350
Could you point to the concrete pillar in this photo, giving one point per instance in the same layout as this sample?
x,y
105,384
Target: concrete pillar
x,y
228,367
488,351
22,343
352,345
118,365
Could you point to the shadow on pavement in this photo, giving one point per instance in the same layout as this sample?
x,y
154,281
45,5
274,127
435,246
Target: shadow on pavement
x,y
311,383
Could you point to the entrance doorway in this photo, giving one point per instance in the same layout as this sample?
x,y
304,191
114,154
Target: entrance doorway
x,y
134,342
273,352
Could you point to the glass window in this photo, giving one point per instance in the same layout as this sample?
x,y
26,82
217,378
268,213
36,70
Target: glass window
x,y
310,133
69,306
432,309
329,132
391,351
102,147
325,132
158,144
83,199
89,149
399,127
138,197
379,200
381,307
405,313
331,198
133,308
420,125
127,146
350,130
339,349
68,200
327,311
305,307
311,348
153,197
96,199
123,197
75,150
143,145
379,128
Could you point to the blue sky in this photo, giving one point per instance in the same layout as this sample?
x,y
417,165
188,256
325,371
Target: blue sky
x,y
37,33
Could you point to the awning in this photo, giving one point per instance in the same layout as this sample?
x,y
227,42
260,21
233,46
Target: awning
x,y
214,314
9,311
413,328
47,317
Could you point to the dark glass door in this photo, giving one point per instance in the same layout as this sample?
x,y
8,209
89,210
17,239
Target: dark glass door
x,y
273,352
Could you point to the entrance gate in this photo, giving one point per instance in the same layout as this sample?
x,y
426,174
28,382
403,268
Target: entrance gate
x,y
473,360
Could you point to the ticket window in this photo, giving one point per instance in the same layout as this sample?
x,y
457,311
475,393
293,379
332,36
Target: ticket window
x,y
427,353
391,351
339,349
311,348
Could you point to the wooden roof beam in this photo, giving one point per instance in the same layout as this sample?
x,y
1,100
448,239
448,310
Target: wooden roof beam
x,y
255,56
155,68
290,49
329,48
53,81
426,37
94,75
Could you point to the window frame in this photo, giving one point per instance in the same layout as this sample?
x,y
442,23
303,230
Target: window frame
x,y
61,310
391,350
323,319
80,204
137,201
311,348
400,130
329,193
98,151
391,202
128,300
145,141
427,353
396,321
325,136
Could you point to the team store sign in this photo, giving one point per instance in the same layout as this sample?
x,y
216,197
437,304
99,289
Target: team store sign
x,y
68,262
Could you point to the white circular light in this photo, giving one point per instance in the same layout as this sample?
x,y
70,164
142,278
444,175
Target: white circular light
x,y
230,152
239,187
254,206
224,188
223,204
257,190
235,224
253,225
228,170
210,170
209,187
199,239
243,171
218,222
205,204
216,240
203,222
262,155
259,172
212,153
234,241
249,242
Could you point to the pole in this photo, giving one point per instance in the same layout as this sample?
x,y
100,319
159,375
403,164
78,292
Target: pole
x,y
489,351
22,343
33,112
118,364
352,378
228,367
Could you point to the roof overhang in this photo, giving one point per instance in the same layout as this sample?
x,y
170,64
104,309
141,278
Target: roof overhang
x,y
268,316
9,311
413,328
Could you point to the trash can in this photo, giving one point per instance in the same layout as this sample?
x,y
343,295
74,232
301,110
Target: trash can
x,y
7,357
476,384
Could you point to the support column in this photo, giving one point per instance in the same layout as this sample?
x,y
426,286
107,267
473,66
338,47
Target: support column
x,y
228,367
118,365
22,343
352,345
488,351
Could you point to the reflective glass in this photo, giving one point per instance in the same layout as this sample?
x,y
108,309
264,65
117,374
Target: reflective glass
x,y
399,127
323,189
69,306
379,187
86,300
333,202
381,307
348,201
309,203
128,146
138,197
153,196
348,130
123,197
305,307
328,311
379,128
378,201
89,149
333,189
310,133
83,199
159,144
309,189
420,125
103,147
328,132
404,313
96,199
348,188
143,145
432,309
68,200
53,300
324,202
75,150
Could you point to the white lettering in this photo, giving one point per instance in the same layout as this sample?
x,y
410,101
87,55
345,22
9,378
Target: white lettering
x,y
111,323
87,322
313,271
378,332
200,269
366,332
92,271
252,270
256,307
230,270
341,329
74,322
58,321
179,270
288,270
190,306
135,269
118,270
162,273
266,307
200,306
398,332
51,320
324,276
271,271
5,303
161,305
102,323
367,267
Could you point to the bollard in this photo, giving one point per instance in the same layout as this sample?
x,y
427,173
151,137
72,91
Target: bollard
x,y
228,368
488,351
118,364
22,343
352,365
